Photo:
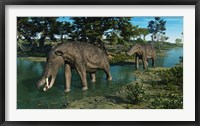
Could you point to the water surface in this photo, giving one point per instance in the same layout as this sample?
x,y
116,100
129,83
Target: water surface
x,y
29,72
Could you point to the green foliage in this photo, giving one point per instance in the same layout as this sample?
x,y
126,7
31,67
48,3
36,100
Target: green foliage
x,y
165,45
93,28
120,59
140,41
113,38
172,76
135,93
33,28
156,26
171,96
121,41
142,32
168,101
178,41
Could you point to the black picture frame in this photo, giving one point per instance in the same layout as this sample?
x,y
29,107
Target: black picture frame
x,y
99,2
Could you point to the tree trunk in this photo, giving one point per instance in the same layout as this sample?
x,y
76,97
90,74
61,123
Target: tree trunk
x,y
61,37
152,38
29,40
144,37
42,40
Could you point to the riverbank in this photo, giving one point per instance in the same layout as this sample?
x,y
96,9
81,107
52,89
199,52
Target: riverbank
x,y
120,57
146,92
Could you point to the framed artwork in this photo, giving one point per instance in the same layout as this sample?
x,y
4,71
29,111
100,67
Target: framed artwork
x,y
98,62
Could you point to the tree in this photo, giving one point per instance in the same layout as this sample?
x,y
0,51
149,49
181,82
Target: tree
x,y
178,41
112,38
94,28
125,28
25,29
40,28
182,36
144,32
156,26
64,29
46,26
135,32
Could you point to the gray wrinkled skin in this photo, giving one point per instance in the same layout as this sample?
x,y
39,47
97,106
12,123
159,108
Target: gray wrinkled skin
x,y
53,63
143,52
84,57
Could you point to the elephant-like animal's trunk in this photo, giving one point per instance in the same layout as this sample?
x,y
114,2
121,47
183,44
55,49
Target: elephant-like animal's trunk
x,y
131,52
128,53
40,82
47,82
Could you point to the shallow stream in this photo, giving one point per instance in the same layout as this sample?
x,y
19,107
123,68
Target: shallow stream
x,y
29,72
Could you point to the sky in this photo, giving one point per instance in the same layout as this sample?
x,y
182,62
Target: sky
x,y
174,25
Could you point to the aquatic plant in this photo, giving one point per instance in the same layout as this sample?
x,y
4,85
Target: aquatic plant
x,y
135,93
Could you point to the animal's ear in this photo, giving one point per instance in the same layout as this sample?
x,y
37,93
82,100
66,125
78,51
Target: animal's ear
x,y
59,53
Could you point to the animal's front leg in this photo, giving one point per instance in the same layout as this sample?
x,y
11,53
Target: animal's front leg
x,y
82,73
153,62
147,62
136,62
68,76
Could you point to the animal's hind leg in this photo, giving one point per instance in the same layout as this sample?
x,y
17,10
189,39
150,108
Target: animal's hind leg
x,y
108,74
92,77
144,63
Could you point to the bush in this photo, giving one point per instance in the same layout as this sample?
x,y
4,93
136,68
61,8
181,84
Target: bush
x,y
135,93
172,76
168,101
172,79
120,58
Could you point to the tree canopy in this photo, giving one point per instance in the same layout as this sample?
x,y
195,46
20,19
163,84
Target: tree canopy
x,y
94,28
32,28
86,29
157,27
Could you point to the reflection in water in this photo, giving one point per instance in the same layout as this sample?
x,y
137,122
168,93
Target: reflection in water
x,y
28,73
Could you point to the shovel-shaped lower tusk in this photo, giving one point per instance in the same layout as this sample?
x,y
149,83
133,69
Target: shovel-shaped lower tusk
x,y
47,85
47,82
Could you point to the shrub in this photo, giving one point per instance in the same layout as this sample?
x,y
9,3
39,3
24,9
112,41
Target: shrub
x,y
120,58
172,76
173,80
168,101
135,93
